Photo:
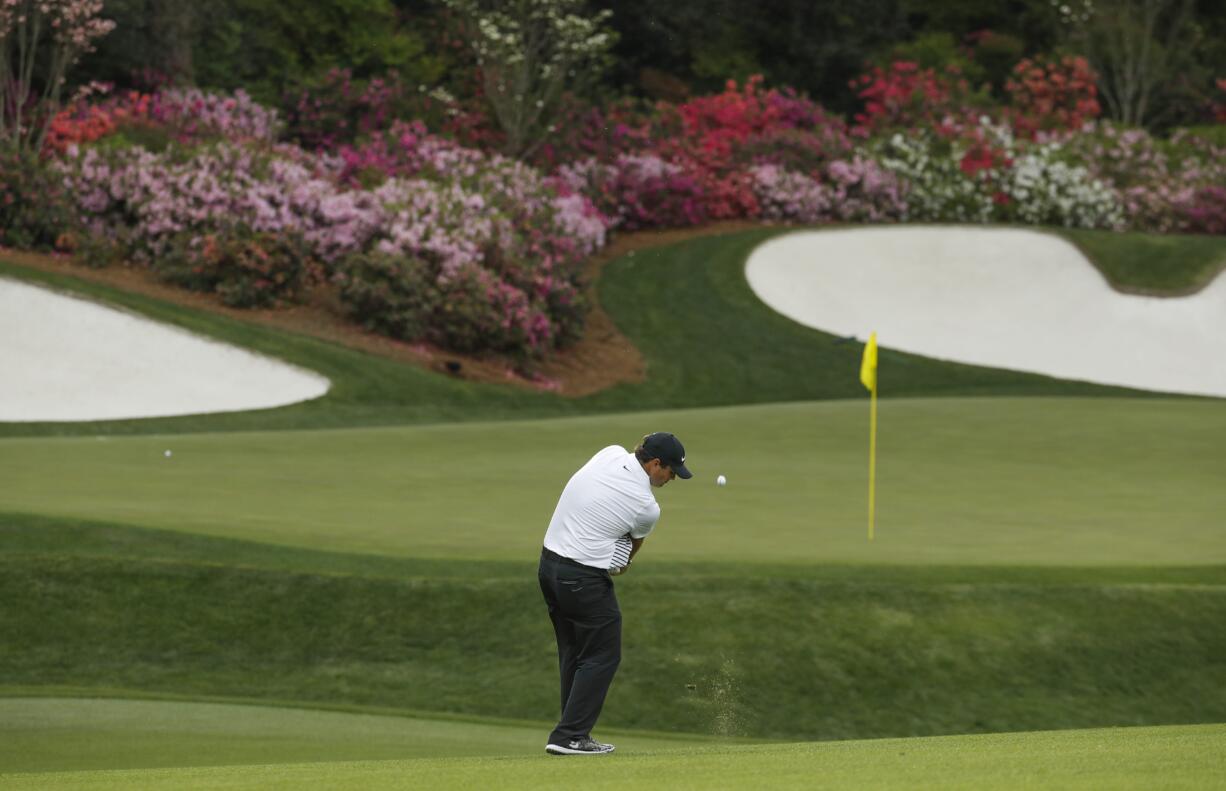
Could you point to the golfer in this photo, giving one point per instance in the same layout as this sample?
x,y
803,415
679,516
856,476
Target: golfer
x,y
605,512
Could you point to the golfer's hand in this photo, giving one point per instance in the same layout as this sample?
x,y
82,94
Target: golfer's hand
x,y
617,571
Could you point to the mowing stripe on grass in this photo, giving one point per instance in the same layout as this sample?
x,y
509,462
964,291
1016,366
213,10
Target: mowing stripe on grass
x,y
1145,759
740,653
67,734
1105,482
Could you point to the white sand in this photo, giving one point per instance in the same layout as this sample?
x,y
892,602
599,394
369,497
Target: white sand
x,y
1004,298
65,359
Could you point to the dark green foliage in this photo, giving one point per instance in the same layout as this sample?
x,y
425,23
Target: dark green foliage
x,y
816,47
996,54
1215,133
799,654
157,138
663,49
391,295
937,50
96,252
264,46
152,43
34,210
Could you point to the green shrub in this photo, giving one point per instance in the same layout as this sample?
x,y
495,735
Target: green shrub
x,y
466,309
96,251
1213,133
246,269
157,138
935,50
390,295
265,46
34,210
478,311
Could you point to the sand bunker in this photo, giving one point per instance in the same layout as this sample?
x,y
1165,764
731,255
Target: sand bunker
x,y
997,297
68,359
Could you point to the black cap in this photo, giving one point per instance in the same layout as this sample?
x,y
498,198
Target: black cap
x,y
668,450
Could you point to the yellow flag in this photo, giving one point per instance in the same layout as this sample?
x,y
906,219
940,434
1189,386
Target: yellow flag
x,y
868,366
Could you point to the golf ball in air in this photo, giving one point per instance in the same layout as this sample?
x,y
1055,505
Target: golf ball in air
x,y
720,481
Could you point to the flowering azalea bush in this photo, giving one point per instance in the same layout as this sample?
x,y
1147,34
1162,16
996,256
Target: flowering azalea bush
x,y
638,191
859,190
196,114
470,309
717,139
595,131
903,96
82,123
1164,186
34,209
1047,94
714,126
180,115
1206,211
245,269
480,311
801,149
476,220
787,195
862,190
990,177
339,109
1041,189
429,239
693,162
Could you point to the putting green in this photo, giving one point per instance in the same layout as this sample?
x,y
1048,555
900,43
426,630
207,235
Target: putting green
x,y
66,734
1021,481
1149,759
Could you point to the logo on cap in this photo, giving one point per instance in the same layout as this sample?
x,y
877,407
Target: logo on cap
x,y
669,450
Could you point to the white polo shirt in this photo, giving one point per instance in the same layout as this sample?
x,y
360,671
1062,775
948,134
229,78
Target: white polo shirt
x,y
607,498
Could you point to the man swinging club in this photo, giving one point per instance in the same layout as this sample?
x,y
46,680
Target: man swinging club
x,y
605,512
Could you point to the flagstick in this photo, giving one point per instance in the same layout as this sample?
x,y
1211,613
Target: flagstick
x,y
872,463
868,378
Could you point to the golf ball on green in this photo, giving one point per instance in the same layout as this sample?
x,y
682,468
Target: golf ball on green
x,y
720,481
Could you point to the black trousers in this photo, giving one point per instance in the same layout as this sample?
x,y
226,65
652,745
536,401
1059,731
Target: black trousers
x,y
588,625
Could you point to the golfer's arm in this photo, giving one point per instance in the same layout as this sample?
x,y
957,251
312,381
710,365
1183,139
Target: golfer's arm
x,y
635,543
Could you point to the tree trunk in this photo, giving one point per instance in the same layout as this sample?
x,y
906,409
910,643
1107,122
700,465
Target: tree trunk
x,y
172,23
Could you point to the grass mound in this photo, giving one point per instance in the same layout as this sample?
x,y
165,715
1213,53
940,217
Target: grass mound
x,y
805,653
1149,263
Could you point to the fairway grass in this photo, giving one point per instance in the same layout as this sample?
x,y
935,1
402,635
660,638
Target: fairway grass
x,y
71,734
1002,481
1048,554
1148,263
786,653
1146,759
